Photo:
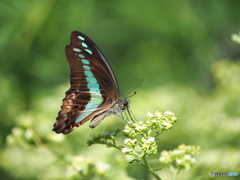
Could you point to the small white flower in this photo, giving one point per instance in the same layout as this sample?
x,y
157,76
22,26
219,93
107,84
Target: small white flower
x,y
173,118
168,113
103,167
176,151
154,121
127,140
78,168
178,161
236,38
151,139
167,125
149,114
79,159
55,137
193,160
188,157
162,159
126,150
17,131
139,128
28,134
165,153
133,141
158,114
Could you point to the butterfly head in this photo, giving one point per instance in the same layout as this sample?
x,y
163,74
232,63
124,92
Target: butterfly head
x,y
126,103
121,106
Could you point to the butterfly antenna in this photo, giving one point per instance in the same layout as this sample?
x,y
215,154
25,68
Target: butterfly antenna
x,y
134,89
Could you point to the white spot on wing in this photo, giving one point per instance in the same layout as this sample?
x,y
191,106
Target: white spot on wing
x,y
65,116
76,50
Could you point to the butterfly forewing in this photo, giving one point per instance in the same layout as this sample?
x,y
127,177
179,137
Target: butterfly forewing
x,y
98,58
93,89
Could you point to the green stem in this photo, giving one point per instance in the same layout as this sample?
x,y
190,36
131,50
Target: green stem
x,y
174,175
112,145
146,165
174,171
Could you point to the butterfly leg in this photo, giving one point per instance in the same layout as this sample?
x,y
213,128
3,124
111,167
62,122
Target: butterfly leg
x,y
97,119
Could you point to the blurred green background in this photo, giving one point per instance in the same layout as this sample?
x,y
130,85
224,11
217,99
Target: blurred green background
x,y
182,49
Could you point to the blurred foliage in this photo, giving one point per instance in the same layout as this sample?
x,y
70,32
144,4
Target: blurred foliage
x,y
183,50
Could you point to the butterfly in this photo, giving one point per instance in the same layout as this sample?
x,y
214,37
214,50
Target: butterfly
x,y
94,92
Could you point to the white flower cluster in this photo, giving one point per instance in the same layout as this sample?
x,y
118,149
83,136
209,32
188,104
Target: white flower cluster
x,y
164,120
236,38
156,123
180,158
82,166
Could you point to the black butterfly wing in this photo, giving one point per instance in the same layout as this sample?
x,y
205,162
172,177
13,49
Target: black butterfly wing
x,y
94,88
